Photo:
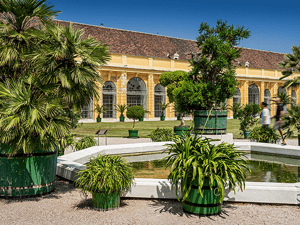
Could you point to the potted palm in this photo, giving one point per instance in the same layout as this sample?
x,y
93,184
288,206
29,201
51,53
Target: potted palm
x,y
203,170
121,109
145,111
163,107
292,120
106,177
40,85
247,115
100,109
134,112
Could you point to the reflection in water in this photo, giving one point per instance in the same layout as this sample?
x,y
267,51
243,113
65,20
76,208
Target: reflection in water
x,y
261,171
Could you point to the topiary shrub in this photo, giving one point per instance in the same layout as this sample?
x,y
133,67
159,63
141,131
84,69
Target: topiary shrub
x,y
135,112
264,134
162,134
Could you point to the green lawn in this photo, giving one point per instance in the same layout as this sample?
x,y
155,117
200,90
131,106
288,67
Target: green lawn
x,y
145,128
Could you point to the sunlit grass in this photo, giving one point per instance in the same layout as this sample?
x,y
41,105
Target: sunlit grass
x,y
120,129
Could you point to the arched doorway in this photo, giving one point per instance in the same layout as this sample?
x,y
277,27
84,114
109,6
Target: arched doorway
x,y
159,96
109,99
237,96
253,94
281,90
137,92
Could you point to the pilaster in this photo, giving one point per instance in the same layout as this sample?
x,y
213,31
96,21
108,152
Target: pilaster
x,y
150,96
230,103
245,91
262,91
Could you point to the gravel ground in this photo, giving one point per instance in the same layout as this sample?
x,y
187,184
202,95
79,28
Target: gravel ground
x,y
66,205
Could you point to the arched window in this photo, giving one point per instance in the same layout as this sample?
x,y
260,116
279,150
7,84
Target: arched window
x,y
281,90
253,94
267,97
87,111
159,96
109,99
237,96
294,96
137,92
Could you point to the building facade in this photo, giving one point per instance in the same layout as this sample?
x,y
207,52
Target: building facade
x,y
138,59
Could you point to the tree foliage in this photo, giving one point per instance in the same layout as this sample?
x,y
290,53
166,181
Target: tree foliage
x,y
291,64
135,112
247,115
212,78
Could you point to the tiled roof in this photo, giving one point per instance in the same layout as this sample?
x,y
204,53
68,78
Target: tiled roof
x,y
151,45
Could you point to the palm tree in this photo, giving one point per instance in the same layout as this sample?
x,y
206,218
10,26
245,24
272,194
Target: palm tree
x,y
285,99
291,64
54,67
100,109
20,22
69,64
121,108
30,122
163,107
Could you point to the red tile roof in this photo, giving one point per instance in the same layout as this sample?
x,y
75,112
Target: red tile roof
x,y
151,45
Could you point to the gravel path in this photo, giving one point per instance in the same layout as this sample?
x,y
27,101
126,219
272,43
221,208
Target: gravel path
x,y
67,206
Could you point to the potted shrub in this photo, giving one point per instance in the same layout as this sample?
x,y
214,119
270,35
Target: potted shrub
x,y
41,87
100,109
203,170
247,115
106,177
134,112
142,118
292,120
212,78
163,107
171,81
234,108
121,109
264,134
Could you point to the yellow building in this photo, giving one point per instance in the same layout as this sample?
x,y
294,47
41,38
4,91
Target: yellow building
x,y
138,59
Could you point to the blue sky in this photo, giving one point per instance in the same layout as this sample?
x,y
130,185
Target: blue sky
x,y
275,26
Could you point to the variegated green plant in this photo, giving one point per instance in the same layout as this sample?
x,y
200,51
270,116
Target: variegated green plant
x,y
195,159
105,173
85,142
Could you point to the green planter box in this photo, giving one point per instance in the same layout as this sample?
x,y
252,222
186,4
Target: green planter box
x,y
133,133
105,201
122,118
209,204
162,118
27,175
216,124
298,139
247,134
235,117
178,130
141,119
178,118
98,119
